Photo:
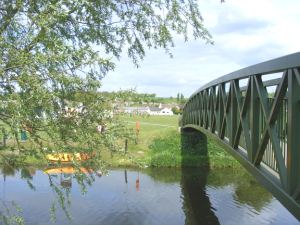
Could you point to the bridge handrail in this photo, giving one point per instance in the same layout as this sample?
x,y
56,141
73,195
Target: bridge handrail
x,y
271,66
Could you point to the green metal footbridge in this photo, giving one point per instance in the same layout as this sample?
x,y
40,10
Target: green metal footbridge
x,y
254,113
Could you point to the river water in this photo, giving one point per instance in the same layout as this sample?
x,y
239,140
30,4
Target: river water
x,y
138,197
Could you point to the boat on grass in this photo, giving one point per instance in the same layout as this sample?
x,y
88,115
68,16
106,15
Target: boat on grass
x,y
68,157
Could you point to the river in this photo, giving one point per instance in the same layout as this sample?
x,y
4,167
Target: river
x,y
138,197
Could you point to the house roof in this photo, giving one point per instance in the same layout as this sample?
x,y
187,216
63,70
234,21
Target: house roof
x,y
137,108
155,109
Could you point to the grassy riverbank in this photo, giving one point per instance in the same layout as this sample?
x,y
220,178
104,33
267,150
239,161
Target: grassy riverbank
x,y
160,144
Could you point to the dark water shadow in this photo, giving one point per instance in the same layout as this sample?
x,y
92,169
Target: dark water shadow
x,y
196,204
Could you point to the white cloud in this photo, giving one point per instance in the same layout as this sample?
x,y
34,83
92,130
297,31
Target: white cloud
x,y
182,81
245,33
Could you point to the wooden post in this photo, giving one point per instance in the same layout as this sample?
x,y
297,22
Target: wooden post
x,y
4,137
126,145
137,129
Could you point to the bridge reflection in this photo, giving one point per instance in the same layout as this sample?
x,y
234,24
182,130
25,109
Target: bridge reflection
x,y
196,204
194,185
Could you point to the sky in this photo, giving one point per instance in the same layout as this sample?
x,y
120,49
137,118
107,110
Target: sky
x,y
244,32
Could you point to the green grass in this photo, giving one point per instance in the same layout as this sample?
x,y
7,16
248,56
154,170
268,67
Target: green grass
x,y
150,128
188,150
160,145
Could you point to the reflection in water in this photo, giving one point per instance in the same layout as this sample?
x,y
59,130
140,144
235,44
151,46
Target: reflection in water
x,y
66,172
249,192
196,204
246,189
137,182
59,183
166,196
125,176
66,180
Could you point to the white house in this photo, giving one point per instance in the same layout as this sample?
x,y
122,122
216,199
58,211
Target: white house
x,y
161,112
166,112
148,111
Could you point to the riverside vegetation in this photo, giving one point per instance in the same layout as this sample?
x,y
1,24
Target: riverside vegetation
x,y
160,144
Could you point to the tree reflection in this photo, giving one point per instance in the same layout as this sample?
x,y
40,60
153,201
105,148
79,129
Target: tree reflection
x,y
251,193
10,212
60,177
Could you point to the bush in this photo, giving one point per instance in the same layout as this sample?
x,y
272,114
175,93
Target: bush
x,y
193,149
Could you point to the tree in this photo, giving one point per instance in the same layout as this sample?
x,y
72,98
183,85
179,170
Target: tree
x,y
54,54
176,110
181,97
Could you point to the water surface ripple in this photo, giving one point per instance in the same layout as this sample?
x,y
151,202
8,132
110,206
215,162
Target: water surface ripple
x,y
147,197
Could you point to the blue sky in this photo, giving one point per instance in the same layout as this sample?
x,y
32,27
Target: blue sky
x,y
245,33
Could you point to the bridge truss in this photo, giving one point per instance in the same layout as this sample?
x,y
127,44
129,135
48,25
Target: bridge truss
x,y
254,113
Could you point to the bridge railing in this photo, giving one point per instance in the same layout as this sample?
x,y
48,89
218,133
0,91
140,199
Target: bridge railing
x,y
255,113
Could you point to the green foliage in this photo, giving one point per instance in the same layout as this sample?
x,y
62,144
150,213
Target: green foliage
x,y
166,151
53,55
180,98
176,111
133,97
169,151
219,157
161,145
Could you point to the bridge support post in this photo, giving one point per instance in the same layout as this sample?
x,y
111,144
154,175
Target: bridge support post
x,y
255,118
233,114
293,142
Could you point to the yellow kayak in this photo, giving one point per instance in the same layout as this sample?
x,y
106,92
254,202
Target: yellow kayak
x,y
67,157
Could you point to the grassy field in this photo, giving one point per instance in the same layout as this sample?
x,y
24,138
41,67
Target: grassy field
x,y
159,144
138,148
150,128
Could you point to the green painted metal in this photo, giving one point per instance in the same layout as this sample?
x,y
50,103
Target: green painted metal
x,y
259,123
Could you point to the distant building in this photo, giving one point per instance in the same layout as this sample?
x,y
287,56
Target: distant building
x,y
154,110
136,110
166,112
139,110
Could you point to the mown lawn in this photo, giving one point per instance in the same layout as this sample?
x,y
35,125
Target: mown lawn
x,y
159,144
151,127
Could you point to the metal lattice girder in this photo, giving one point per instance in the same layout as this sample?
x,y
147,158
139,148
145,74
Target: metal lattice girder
x,y
261,129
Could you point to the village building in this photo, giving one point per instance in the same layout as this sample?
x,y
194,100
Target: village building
x,y
136,110
147,111
166,112
154,110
